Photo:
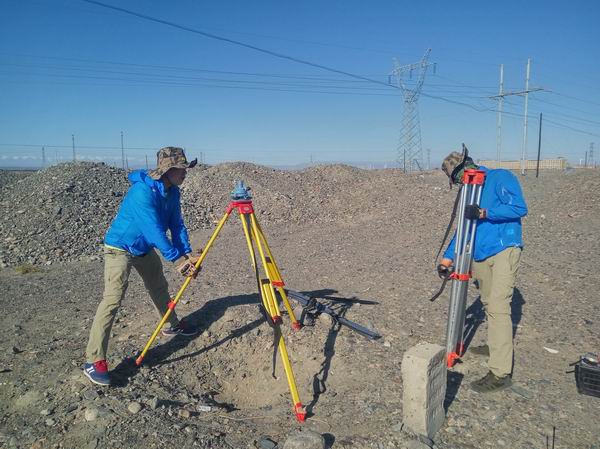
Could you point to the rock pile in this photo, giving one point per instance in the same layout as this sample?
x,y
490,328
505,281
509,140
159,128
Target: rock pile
x,y
59,213
62,213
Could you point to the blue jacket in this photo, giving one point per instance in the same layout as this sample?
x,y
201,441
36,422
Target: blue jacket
x,y
505,204
146,213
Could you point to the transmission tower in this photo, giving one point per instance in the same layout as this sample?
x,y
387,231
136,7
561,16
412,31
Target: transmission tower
x,y
591,161
410,153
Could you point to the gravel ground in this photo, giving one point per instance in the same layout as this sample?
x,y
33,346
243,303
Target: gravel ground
x,y
337,232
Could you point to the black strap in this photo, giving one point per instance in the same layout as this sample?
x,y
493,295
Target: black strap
x,y
440,291
456,201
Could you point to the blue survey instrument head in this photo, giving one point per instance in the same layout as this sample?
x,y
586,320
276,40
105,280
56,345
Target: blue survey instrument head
x,y
240,191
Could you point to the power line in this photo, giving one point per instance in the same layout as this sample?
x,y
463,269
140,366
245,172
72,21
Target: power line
x,y
234,42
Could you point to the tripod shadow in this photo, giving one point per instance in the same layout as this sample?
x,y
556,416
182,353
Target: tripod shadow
x,y
209,313
340,306
453,383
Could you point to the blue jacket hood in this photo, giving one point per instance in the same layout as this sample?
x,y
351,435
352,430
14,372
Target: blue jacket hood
x,y
142,176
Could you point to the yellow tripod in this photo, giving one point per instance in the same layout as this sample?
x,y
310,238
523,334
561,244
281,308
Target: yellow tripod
x,y
267,286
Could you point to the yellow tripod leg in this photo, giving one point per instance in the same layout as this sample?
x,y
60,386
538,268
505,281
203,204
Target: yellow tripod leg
x,y
261,284
299,409
274,306
274,274
187,281
243,218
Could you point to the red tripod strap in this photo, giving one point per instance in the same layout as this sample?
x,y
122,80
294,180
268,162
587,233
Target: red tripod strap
x,y
460,277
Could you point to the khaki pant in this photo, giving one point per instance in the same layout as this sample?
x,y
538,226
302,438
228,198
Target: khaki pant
x,y
496,277
117,267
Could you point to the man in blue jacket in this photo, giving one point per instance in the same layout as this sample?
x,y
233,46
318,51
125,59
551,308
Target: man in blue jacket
x,y
496,255
150,209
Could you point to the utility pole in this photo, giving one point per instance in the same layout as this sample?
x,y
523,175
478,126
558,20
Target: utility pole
x,y
537,168
591,155
428,158
524,148
73,142
122,152
43,157
500,104
585,163
525,92
146,162
409,148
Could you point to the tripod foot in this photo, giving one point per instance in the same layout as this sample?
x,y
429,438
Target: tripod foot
x,y
297,325
300,412
139,360
277,319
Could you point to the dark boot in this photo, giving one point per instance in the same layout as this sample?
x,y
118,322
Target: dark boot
x,y
480,350
491,383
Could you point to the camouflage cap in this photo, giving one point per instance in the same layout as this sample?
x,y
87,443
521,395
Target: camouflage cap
x,y
451,161
170,157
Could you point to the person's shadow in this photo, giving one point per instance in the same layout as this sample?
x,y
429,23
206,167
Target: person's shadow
x,y
209,313
474,316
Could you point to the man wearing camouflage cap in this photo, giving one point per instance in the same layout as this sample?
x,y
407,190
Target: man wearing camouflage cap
x,y
150,208
496,255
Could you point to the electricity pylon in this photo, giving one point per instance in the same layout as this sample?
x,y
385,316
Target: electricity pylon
x,y
410,153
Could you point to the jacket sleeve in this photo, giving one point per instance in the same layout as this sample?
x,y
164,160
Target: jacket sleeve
x,y
512,203
150,224
449,253
179,232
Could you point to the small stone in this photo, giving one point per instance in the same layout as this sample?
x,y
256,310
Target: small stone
x,y
153,403
134,407
415,444
50,422
184,413
522,392
387,344
91,394
46,412
306,439
91,414
203,408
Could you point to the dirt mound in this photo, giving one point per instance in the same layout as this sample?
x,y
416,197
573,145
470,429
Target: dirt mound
x,y
368,251
8,177
62,213
56,214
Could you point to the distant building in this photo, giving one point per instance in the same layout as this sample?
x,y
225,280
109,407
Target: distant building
x,y
531,164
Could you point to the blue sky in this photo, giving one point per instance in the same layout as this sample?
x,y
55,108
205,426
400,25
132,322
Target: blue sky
x,y
71,67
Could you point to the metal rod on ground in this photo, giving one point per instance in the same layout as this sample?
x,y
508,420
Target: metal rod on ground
x,y
537,168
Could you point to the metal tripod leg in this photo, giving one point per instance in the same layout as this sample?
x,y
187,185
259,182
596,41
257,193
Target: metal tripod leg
x,y
187,281
463,256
